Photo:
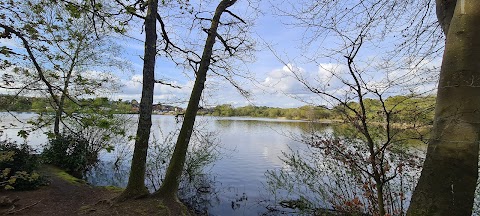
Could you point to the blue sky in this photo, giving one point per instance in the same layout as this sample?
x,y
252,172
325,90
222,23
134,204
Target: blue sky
x,y
272,83
267,29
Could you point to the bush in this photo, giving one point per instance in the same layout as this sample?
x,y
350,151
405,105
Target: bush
x,y
17,167
71,153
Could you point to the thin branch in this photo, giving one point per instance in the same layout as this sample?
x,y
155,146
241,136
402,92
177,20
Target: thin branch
x,y
167,84
234,15
225,44
33,59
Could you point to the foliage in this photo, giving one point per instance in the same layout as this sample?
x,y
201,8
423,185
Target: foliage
x,y
404,109
17,167
364,57
63,56
102,131
315,180
78,150
69,152
202,152
8,102
42,104
195,184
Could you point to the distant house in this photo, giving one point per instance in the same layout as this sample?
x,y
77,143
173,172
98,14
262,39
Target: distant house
x,y
178,110
166,109
158,108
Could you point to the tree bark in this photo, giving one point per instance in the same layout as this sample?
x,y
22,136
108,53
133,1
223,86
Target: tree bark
x,y
64,93
445,10
448,180
169,187
136,182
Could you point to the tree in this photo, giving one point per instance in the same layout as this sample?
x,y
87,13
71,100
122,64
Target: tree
x,y
450,171
136,181
169,188
185,56
361,63
60,50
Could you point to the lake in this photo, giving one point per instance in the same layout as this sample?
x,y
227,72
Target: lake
x,y
235,181
248,147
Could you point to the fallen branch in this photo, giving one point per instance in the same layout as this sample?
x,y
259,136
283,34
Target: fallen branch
x,y
26,207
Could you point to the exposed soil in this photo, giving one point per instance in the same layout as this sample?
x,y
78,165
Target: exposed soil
x,y
66,195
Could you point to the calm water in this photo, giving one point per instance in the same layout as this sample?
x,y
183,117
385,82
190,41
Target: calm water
x,y
12,123
248,147
258,144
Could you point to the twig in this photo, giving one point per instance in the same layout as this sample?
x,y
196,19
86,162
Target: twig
x,y
26,207
168,84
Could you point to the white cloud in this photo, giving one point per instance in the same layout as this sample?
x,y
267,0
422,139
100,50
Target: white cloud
x,y
330,75
132,89
285,80
419,77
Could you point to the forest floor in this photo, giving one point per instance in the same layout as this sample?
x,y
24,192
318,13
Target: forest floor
x,y
66,195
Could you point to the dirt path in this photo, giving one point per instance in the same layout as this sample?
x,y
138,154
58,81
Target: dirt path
x,y
64,195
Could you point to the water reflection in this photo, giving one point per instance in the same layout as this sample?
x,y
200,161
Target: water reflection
x,y
258,144
234,184
334,173
275,124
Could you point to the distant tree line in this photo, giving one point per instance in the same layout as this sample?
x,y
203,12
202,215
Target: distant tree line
x,y
407,109
303,112
42,104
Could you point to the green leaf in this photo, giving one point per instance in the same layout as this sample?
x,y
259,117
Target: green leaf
x,y
110,148
130,9
119,30
23,133
73,10
50,135
98,6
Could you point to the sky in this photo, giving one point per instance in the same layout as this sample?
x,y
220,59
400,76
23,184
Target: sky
x,y
279,50
266,70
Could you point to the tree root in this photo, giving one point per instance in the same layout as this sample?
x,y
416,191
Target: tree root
x,y
130,196
175,207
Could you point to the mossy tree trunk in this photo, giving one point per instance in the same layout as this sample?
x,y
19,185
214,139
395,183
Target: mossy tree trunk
x,y
448,180
169,187
136,182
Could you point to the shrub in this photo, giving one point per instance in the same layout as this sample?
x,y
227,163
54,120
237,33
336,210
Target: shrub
x,y
71,153
77,150
17,167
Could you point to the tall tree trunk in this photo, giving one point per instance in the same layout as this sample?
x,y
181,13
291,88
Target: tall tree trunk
x,y
61,105
136,182
56,123
450,171
169,187
66,85
445,10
